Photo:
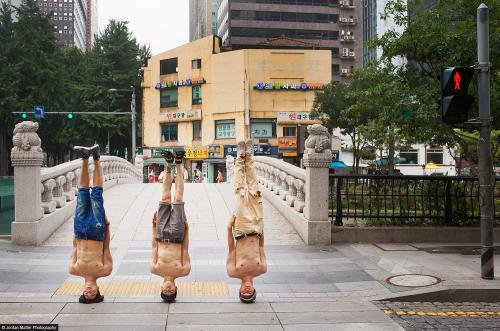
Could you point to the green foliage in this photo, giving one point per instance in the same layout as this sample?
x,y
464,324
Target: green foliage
x,y
36,69
433,39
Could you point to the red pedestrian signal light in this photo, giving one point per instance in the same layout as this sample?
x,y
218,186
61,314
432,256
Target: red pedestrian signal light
x,y
455,101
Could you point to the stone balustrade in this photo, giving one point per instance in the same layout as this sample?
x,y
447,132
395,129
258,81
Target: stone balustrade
x,y
283,179
45,197
59,183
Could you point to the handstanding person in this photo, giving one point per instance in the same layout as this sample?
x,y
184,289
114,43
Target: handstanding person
x,y
170,239
90,257
245,237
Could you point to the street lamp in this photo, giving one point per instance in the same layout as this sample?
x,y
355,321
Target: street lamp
x,y
132,116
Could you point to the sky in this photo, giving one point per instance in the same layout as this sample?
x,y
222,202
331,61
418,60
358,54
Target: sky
x,y
163,24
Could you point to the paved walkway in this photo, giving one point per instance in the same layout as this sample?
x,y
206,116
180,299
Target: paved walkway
x,y
320,288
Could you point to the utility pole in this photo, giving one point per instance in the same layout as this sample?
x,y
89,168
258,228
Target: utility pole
x,y
132,111
485,159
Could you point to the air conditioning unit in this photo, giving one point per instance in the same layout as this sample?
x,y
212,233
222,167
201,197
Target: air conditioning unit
x,y
351,54
345,70
343,19
351,20
345,51
176,69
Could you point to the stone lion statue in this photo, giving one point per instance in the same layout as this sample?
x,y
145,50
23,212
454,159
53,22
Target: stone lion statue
x,y
25,137
318,140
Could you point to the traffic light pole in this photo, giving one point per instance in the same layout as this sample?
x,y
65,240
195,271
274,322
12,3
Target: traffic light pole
x,y
485,159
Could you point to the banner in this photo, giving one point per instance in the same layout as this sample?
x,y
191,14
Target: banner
x,y
181,115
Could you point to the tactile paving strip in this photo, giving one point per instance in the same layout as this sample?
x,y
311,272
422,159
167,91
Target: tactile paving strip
x,y
147,288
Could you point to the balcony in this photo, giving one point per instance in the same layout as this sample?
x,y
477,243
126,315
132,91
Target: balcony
x,y
347,38
347,55
348,21
347,4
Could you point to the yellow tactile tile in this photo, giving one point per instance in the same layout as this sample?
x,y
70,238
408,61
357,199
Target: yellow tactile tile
x,y
443,313
147,288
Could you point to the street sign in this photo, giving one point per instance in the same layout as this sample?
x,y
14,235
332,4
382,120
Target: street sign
x,y
39,111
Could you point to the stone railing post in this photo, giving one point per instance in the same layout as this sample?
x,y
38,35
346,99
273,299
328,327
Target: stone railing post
x,y
229,168
284,185
58,192
27,159
68,192
317,158
300,199
292,195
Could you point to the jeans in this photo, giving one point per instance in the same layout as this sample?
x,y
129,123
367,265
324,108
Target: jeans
x,y
248,199
90,215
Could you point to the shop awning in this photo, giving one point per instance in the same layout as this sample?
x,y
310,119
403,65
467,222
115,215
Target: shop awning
x,y
214,160
338,165
155,160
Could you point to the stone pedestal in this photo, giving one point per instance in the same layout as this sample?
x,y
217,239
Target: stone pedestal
x,y
316,202
27,159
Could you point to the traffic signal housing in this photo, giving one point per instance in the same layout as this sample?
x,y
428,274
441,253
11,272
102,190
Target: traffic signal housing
x,y
455,101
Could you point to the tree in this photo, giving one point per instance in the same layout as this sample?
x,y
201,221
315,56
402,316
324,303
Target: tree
x,y
9,82
433,39
114,63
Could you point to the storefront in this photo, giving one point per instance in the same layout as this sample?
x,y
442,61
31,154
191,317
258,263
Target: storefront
x,y
215,161
195,158
154,163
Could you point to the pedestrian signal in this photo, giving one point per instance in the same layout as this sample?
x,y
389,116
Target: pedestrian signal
x,y
455,101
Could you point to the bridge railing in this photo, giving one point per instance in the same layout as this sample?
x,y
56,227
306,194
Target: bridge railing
x,y
45,197
301,195
285,180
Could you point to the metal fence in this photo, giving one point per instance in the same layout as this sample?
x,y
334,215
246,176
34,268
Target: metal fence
x,y
407,200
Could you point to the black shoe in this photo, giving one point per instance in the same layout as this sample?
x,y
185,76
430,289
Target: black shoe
x,y
98,298
179,156
95,153
168,156
86,151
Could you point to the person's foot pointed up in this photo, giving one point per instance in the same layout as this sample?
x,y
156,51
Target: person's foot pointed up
x,y
241,149
249,147
179,156
96,155
85,152
169,158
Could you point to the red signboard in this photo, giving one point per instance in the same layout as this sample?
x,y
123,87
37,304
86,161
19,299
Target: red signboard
x,y
287,142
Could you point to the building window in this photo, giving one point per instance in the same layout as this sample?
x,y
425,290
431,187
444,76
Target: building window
x,y
168,66
224,129
168,132
410,156
263,128
434,155
289,131
196,94
168,98
196,130
196,64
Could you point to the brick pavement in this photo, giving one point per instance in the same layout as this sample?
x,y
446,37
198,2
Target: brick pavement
x,y
305,287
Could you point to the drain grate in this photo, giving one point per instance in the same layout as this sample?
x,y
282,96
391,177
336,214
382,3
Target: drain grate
x,y
413,280
147,288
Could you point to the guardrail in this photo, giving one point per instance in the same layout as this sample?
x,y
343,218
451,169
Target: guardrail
x,y
407,200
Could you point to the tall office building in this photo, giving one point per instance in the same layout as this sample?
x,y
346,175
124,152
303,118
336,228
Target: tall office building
x,y
202,18
373,26
318,24
72,20
92,22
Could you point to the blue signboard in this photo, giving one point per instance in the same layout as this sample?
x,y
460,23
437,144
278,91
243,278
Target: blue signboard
x,y
39,111
258,149
335,155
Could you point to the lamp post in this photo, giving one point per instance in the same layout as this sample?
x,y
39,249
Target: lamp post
x,y
132,117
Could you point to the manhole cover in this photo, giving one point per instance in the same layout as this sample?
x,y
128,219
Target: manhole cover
x,y
413,280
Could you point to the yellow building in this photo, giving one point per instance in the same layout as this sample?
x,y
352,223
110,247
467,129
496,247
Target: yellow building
x,y
204,100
